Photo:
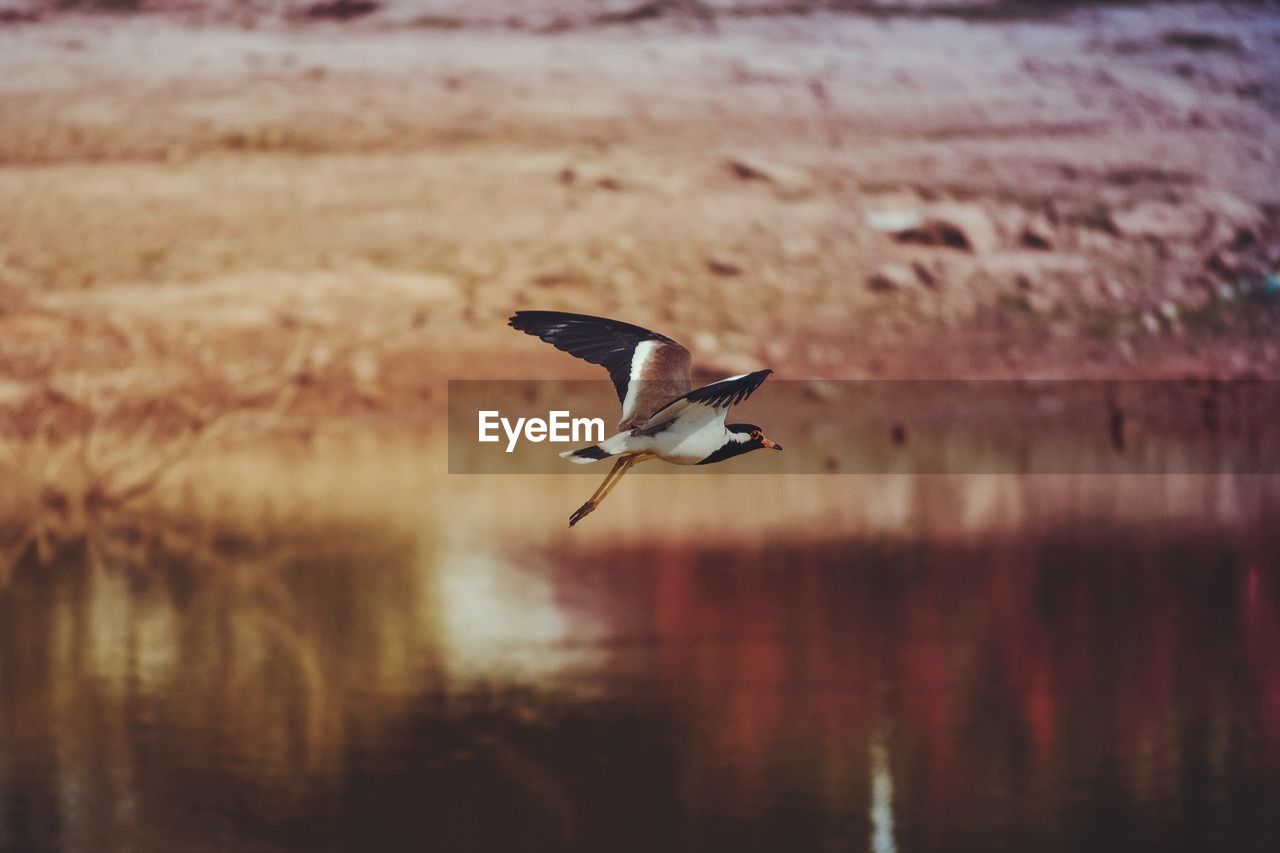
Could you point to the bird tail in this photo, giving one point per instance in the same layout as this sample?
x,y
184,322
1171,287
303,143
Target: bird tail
x,y
611,446
582,456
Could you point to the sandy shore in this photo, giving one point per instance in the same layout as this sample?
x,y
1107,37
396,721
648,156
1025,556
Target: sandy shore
x,y
356,207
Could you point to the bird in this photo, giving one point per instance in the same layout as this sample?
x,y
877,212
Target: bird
x,y
663,416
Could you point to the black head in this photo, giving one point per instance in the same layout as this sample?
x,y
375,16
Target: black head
x,y
744,438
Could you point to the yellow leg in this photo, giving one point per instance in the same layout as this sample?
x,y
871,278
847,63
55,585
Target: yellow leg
x,y
586,508
613,474
620,467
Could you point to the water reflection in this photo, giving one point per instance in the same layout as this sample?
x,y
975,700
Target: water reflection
x,y
373,690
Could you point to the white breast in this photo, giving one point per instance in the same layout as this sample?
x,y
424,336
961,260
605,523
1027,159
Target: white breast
x,y
694,436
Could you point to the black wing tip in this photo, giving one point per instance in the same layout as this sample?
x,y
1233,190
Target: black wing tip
x,y
754,379
751,382
521,319
729,392
538,322
536,315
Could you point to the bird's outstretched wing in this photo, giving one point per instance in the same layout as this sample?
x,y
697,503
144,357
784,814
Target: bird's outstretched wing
x,y
648,369
711,400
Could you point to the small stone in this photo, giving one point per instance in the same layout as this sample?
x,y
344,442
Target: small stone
x,y
788,182
936,232
926,276
1037,236
890,277
592,175
721,265
959,226
343,10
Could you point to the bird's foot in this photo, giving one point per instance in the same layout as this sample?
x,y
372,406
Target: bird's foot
x,y
581,513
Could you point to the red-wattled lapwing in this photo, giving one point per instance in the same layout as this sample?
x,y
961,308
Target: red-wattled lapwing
x,y
661,417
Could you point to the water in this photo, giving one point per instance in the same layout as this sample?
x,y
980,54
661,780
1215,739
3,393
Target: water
x,y
1079,688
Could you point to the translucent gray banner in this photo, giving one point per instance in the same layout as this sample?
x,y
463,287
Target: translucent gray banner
x,y
902,427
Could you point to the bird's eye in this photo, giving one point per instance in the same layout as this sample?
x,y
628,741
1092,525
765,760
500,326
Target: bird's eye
x,y
755,433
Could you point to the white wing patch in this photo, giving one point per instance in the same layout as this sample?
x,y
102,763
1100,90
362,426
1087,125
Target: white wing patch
x,y
639,360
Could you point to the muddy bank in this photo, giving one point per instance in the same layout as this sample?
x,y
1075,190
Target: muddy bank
x,y
305,229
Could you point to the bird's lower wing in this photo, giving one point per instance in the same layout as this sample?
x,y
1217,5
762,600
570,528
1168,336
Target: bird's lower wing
x,y
717,396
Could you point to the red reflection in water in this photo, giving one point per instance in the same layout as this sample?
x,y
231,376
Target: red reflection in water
x,y
999,671
1261,636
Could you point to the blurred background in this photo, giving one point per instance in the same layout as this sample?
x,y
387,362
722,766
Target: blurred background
x,y
244,246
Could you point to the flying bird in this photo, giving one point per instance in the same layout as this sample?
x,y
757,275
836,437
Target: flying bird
x,y
663,416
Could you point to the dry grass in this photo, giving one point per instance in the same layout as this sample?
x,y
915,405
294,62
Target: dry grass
x,y
86,485
85,491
